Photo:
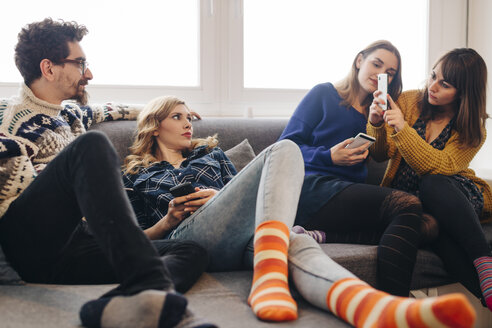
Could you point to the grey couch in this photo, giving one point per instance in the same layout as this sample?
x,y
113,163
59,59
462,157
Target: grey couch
x,y
220,297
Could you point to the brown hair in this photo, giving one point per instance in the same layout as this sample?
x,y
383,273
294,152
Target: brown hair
x,y
464,69
47,39
349,87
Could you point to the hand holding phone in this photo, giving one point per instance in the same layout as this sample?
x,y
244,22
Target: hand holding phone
x,y
383,87
360,140
182,189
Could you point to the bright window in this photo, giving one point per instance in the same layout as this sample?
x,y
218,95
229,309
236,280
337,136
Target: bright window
x,y
228,57
129,42
296,44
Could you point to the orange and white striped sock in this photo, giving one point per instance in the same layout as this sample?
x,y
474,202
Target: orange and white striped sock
x,y
270,297
361,305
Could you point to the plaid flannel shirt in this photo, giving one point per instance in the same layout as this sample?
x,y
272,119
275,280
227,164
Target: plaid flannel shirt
x,y
149,189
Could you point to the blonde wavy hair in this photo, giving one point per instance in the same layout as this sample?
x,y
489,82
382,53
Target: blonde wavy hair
x,y
144,147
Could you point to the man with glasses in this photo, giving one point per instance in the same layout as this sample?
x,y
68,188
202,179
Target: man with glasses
x,y
53,174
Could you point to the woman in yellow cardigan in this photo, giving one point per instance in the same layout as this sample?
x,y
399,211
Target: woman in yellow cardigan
x,y
430,138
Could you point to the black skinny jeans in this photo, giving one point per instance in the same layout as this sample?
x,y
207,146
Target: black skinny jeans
x,y
46,242
369,214
461,239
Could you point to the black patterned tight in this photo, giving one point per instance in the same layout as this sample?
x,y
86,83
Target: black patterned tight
x,y
369,214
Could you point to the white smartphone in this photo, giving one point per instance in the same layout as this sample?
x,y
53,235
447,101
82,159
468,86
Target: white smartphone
x,y
360,140
383,87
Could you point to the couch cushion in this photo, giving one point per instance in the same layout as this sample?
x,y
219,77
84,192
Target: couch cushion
x,y
241,154
120,133
221,297
261,133
361,261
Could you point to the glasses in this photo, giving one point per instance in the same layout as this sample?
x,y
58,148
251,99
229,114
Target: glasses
x,y
82,63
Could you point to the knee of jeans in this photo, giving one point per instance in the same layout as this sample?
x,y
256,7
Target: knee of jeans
x,y
95,136
288,145
291,149
95,141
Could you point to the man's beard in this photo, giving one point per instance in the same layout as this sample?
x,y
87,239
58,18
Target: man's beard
x,y
81,98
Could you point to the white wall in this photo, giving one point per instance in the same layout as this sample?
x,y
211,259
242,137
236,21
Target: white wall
x,y
447,27
480,39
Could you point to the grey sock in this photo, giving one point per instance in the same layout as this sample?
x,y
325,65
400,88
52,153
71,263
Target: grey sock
x,y
148,309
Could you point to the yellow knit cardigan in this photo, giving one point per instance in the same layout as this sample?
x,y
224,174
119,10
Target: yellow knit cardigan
x,y
422,157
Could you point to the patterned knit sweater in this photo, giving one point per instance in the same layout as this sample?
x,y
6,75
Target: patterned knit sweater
x,y
33,132
422,157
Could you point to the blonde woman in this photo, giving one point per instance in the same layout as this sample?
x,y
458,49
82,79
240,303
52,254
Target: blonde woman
x,y
228,211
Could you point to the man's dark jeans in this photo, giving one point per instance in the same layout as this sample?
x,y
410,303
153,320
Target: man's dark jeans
x,y
46,242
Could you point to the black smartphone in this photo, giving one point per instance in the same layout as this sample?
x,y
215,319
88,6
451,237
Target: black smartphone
x,y
182,189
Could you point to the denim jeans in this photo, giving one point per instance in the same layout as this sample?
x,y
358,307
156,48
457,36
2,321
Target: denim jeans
x,y
268,188
45,241
312,271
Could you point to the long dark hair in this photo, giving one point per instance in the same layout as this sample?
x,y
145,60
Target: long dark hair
x,y
464,69
349,87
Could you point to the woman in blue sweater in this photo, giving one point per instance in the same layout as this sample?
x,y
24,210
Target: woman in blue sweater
x,y
334,198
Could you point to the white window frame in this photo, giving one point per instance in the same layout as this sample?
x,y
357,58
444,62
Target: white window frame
x,y
447,25
221,91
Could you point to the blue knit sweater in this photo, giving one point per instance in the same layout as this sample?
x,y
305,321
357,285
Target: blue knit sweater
x,y
319,123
